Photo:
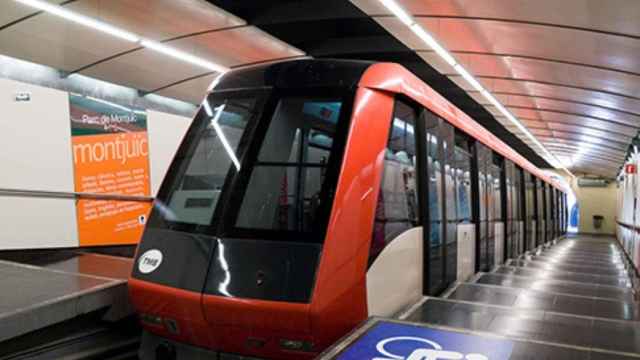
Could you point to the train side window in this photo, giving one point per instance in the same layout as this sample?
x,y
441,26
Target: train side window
x,y
397,209
463,185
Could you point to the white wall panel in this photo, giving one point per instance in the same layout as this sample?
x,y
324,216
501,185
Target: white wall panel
x,y
31,223
36,155
35,138
165,134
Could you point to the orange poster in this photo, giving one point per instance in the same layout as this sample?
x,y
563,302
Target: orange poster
x,y
111,156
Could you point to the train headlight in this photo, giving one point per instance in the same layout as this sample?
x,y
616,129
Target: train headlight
x,y
296,345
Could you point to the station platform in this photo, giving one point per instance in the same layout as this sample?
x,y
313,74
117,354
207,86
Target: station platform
x,y
571,300
39,291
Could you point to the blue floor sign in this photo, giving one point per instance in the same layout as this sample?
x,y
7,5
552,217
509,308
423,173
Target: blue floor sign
x,y
393,341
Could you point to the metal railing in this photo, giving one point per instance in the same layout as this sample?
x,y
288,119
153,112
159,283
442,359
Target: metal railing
x,y
71,195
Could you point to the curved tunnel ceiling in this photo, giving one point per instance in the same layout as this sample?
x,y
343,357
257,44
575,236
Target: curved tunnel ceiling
x,y
231,33
569,70
193,26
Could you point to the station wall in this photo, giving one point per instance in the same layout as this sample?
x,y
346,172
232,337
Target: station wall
x,y
36,155
591,201
597,201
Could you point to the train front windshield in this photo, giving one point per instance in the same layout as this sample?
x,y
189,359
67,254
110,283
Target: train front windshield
x,y
256,165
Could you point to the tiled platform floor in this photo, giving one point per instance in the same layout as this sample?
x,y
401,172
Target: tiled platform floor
x,y
569,301
34,297
573,298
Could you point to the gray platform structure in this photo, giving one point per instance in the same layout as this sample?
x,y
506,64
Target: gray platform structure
x,y
571,300
41,291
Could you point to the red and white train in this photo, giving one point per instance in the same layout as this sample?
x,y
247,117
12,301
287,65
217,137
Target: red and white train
x,y
309,195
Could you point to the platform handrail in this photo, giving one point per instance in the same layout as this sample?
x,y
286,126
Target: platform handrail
x,y
72,195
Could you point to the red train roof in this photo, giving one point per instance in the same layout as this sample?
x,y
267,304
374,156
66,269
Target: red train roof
x,y
395,78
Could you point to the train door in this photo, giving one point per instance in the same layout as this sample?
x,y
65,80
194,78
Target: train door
x,y
540,236
465,229
450,219
563,214
496,223
553,211
549,212
565,211
560,214
530,211
398,230
482,159
507,209
518,209
435,219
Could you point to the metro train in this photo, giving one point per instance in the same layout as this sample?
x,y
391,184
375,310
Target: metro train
x,y
309,195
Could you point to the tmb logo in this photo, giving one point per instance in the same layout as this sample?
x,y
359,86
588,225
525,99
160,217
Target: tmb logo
x,y
149,261
426,350
394,341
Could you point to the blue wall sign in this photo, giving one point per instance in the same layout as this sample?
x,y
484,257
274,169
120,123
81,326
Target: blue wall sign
x,y
393,341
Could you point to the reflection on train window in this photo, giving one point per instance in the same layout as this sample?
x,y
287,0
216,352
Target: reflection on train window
x,y
283,192
196,193
463,185
397,208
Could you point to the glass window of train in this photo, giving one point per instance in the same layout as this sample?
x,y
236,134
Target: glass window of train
x,y
448,147
517,188
462,141
463,185
483,179
283,191
496,193
434,186
211,149
529,197
397,209
435,229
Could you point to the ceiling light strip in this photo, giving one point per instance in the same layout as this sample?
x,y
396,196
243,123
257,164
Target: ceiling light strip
x,y
122,34
181,55
81,19
428,39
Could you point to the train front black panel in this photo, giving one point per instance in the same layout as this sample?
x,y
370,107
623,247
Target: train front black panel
x,y
181,259
264,270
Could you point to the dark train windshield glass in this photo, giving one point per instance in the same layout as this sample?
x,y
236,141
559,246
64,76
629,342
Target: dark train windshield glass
x,y
262,165
211,152
285,182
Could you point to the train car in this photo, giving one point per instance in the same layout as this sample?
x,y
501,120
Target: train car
x,y
309,195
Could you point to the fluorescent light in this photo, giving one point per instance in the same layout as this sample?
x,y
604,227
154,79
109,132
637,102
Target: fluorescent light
x,y
433,44
223,137
81,19
181,55
215,82
207,107
470,79
419,31
122,34
398,11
